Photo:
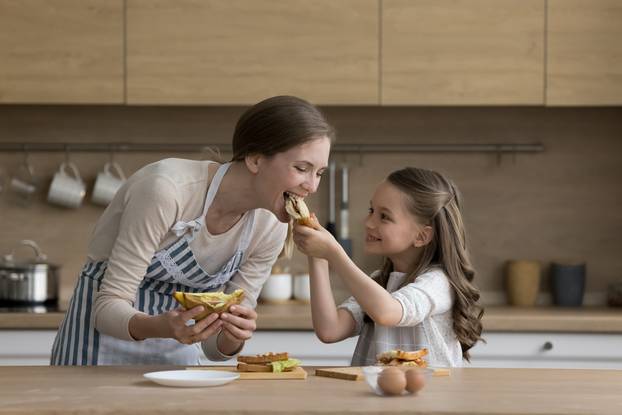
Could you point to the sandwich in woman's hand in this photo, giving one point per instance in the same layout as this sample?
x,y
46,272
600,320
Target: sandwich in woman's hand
x,y
298,210
216,302
267,362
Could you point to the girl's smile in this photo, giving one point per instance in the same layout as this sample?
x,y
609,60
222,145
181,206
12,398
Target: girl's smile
x,y
371,238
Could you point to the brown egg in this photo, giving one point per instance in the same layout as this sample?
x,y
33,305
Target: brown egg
x,y
392,381
415,380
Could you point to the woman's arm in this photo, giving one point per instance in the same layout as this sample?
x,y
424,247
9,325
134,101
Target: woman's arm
x,y
149,209
239,323
330,324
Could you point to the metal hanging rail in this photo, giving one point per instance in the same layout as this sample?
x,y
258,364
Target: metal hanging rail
x,y
339,148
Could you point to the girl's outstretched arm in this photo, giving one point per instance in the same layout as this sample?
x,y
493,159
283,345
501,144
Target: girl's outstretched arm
x,y
377,302
373,299
330,324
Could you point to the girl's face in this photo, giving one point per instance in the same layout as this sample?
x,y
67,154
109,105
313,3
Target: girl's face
x,y
391,229
297,170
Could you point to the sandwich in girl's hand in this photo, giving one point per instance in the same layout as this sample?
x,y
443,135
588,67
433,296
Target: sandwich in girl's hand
x,y
215,302
298,210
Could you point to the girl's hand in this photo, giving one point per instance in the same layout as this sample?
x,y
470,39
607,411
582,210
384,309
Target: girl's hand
x,y
318,243
175,323
239,323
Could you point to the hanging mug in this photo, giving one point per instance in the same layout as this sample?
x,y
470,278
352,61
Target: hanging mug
x,y
107,184
23,183
67,190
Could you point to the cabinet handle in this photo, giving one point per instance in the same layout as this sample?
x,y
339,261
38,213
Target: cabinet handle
x,y
547,346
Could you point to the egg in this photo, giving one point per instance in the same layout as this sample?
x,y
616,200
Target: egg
x,y
392,381
415,380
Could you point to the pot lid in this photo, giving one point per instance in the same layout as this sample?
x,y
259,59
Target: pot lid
x,y
40,259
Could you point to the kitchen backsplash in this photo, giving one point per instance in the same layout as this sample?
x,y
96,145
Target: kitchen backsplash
x,y
562,204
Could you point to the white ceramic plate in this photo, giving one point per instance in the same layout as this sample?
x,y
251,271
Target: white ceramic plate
x,y
192,378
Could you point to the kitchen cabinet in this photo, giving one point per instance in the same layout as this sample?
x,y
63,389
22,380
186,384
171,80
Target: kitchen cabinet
x,y
462,52
26,347
503,349
548,350
33,347
220,52
584,50
61,51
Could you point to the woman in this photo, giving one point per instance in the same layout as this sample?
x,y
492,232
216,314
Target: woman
x,y
185,225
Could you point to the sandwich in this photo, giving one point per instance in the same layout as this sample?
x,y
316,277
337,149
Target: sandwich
x,y
267,362
402,358
298,210
215,302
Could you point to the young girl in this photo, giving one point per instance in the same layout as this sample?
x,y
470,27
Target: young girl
x,y
424,294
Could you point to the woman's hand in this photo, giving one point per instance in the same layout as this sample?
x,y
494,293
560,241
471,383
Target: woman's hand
x,y
175,323
318,243
239,323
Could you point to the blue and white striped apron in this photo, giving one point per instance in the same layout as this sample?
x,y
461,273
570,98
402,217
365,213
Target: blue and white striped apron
x,y
174,268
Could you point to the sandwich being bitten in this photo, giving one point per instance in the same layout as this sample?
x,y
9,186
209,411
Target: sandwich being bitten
x,y
298,210
267,362
402,358
215,302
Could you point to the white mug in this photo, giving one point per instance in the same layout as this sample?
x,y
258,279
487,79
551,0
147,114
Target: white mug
x,y
302,289
107,184
24,183
67,190
278,287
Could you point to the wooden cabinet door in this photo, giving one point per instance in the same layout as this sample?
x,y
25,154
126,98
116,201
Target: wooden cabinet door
x,y
241,51
584,65
462,52
61,51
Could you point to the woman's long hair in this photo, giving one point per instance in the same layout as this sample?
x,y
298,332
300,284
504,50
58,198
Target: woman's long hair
x,y
435,201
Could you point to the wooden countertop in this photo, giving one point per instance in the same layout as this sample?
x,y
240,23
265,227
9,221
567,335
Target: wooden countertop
x,y
297,316
123,390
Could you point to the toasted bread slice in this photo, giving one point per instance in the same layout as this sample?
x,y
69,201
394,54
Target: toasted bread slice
x,y
214,302
264,358
311,222
298,210
412,356
250,367
401,355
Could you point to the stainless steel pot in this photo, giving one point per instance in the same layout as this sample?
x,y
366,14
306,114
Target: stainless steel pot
x,y
26,282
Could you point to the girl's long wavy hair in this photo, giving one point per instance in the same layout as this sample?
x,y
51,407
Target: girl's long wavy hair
x,y
435,201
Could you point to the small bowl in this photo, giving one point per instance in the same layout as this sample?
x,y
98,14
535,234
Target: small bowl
x,y
372,372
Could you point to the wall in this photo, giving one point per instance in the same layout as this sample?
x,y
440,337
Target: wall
x,y
562,204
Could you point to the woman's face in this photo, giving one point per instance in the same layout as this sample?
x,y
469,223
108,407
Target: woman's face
x,y
297,170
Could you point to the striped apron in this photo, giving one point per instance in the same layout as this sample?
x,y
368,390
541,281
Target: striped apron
x,y
173,268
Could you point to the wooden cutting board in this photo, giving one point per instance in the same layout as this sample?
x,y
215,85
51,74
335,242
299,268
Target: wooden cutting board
x,y
356,373
297,373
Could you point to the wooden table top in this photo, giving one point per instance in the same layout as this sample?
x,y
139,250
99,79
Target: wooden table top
x,y
123,390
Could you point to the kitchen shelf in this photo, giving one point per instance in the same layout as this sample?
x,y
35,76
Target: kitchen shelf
x,y
496,148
